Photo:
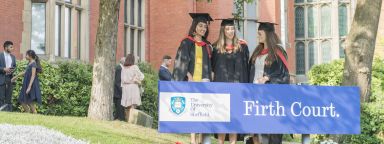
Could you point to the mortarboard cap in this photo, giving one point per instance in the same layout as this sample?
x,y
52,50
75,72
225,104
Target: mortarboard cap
x,y
267,26
204,17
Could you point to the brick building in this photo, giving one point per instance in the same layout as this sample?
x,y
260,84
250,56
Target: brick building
x,y
66,29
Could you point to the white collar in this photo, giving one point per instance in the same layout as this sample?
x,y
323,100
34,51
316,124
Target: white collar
x,y
164,66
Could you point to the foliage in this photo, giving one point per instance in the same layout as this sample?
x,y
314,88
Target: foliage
x,y
65,88
372,113
149,98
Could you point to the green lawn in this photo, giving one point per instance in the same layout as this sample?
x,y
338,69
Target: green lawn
x,y
94,131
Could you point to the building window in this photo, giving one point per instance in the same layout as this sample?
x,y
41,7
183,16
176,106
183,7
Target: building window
x,y
343,20
325,21
320,37
247,28
67,32
134,28
299,22
312,23
300,58
326,51
68,29
57,30
312,53
38,28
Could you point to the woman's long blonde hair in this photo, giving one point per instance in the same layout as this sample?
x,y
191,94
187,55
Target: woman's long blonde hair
x,y
220,44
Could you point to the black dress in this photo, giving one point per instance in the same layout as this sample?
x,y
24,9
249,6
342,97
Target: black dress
x,y
231,67
34,94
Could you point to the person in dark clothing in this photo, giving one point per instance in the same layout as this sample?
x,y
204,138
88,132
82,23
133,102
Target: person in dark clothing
x,y
30,90
164,73
7,68
229,61
268,65
193,58
119,109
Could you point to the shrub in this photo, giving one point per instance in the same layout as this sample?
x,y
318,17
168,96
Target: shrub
x,y
372,113
65,88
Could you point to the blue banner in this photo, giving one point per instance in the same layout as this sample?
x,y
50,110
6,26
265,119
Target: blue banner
x,y
211,107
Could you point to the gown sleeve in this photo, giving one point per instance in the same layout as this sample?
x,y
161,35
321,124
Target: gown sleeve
x,y
182,61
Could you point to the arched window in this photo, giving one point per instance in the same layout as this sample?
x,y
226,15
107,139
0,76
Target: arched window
x,y
312,23
299,22
312,53
326,51
300,58
325,21
343,28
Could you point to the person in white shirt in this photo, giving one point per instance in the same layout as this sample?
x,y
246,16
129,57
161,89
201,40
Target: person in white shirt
x,y
7,68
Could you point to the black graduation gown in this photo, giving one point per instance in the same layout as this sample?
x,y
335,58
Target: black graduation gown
x,y
231,67
185,60
277,72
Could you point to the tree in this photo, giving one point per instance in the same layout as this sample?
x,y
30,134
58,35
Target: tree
x,y
360,46
100,106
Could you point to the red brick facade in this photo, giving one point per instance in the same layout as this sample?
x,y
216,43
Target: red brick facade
x,y
166,24
11,24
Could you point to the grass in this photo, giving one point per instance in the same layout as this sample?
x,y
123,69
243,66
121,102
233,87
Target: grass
x,y
103,132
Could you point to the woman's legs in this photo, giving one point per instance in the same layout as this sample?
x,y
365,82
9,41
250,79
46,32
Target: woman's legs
x,y
25,107
128,111
33,108
256,139
193,138
221,138
232,138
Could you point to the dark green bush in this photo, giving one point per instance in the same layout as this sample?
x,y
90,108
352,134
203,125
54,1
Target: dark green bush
x,y
149,98
65,88
372,113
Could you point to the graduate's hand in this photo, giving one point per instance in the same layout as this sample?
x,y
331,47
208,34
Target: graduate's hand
x,y
261,81
28,90
190,78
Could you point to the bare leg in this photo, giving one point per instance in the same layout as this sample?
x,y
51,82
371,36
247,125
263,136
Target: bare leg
x,y
127,113
232,138
33,108
256,139
193,138
25,107
221,138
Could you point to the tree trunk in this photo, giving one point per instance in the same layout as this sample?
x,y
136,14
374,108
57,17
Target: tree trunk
x,y
100,106
361,46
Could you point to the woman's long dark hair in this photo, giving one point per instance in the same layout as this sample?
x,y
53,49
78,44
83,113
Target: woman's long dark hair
x,y
273,42
33,55
192,29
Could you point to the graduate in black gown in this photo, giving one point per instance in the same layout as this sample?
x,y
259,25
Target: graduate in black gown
x,y
268,65
229,61
193,58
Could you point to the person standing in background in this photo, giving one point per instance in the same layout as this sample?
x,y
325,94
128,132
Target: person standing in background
x,y
7,68
131,78
119,109
164,73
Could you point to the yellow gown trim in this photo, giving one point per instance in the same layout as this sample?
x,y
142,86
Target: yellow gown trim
x,y
198,70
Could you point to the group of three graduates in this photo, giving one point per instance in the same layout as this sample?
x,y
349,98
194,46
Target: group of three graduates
x,y
227,60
